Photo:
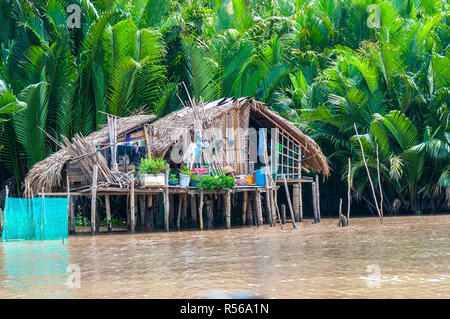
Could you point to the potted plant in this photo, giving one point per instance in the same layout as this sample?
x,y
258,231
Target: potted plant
x,y
213,182
152,171
194,180
185,176
173,179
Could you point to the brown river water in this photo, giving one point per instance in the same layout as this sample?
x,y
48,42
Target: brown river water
x,y
407,257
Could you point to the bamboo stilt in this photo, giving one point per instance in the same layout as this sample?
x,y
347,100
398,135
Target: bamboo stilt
x,y
317,196
193,199
166,208
228,209
289,201
300,201
180,203
259,208
108,213
348,191
132,206
142,211
283,214
244,207
200,210
94,200
296,202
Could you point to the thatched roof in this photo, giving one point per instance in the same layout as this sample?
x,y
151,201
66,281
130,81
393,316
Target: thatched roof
x,y
232,112
46,174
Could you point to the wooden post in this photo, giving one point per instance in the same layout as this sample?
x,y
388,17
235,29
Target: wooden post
x,y
132,206
94,200
71,209
318,196
3,211
108,213
283,214
149,214
228,209
209,212
314,200
300,200
259,208
200,210
180,203
348,191
185,206
193,199
166,208
142,211
172,209
244,207
296,201
276,206
249,209
289,201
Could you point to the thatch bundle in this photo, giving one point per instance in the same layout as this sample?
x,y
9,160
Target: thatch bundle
x,y
47,174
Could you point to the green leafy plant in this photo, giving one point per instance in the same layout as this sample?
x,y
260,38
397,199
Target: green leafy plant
x,y
81,220
173,177
153,166
216,182
185,170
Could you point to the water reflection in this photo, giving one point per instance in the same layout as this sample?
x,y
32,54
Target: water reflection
x,y
315,261
34,269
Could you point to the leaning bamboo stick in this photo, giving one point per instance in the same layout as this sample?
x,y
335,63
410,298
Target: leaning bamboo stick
x,y
368,173
289,201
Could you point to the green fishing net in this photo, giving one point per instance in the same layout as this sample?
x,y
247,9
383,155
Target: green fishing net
x,y
35,219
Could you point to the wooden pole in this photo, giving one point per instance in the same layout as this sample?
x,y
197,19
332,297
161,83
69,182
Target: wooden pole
x,y
180,203
379,186
108,213
184,212
71,208
244,207
94,200
249,209
132,206
368,173
289,201
228,209
142,211
166,208
149,214
283,214
209,212
300,200
275,201
296,201
259,208
193,199
349,198
318,196
200,210
314,200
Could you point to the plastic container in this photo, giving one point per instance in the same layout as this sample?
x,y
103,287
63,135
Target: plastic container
x,y
249,179
185,179
261,176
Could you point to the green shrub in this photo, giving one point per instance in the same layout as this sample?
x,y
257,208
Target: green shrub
x,y
153,166
213,182
185,170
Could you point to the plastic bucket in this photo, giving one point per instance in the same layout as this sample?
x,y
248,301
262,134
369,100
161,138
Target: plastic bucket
x,y
184,180
261,177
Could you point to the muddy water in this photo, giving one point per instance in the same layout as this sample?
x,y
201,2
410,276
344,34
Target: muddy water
x,y
407,257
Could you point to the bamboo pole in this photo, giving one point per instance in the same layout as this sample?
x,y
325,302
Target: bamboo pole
x,y
244,207
228,209
349,198
200,210
368,173
249,212
166,208
185,206
259,208
94,200
71,208
314,200
108,213
193,199
296,202
300,201
289,201
132,206
180,203
283,214
142,211
318,196
379,186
